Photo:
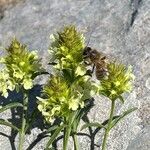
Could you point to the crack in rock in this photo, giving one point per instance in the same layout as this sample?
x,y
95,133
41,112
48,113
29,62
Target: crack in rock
x,y
135,4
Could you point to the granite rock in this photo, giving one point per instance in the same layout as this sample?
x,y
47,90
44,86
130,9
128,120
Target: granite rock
x,y
119,28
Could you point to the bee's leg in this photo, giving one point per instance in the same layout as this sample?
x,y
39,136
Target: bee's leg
x,y
90,72
93,69
87,62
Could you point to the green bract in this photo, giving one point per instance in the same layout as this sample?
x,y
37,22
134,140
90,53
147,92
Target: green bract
x,y
21,65
117,82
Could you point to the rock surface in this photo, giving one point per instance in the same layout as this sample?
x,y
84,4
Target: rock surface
x,y
117,27
141,141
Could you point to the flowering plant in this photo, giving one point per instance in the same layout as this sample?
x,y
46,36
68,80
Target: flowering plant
x,y
117,82
69,88
20,69
69,91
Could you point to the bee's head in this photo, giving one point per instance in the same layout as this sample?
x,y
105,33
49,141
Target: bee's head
x,y
87,52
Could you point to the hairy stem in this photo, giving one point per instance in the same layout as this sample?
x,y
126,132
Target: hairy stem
x,y
109,125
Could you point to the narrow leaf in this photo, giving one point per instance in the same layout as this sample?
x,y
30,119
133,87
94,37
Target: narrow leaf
x,y
52,128
67,74
53,137
121,99
77,120
95,124
11,105
115,121
7,123
71,120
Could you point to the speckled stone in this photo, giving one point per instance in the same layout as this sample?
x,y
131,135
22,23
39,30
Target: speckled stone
x,y
120,28
142,141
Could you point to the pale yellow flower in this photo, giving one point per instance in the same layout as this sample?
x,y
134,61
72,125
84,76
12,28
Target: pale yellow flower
x,y
27,83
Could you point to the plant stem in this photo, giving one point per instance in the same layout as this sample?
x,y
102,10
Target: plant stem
x,y
67,131
76,146
24,115
70,122
109,125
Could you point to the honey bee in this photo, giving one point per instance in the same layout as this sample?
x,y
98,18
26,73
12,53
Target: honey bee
x,y
99,61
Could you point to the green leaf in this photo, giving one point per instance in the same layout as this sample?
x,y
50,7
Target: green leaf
x,y
82,113
116,120
7,123
53,137
95,124
77,120
71,121
11,105
121,99
52,128
67,74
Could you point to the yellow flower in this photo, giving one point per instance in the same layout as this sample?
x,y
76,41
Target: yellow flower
x,y
4,92
82,104
80,70
56,109
34,55
117,83
74,104
11,85
18,75
113,92
52,37
40,107
5,83
22,63
2,60
27,83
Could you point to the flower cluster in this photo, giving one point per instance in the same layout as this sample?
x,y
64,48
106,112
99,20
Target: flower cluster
x,y
21,67
67,49
117,82
5,83
60,98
